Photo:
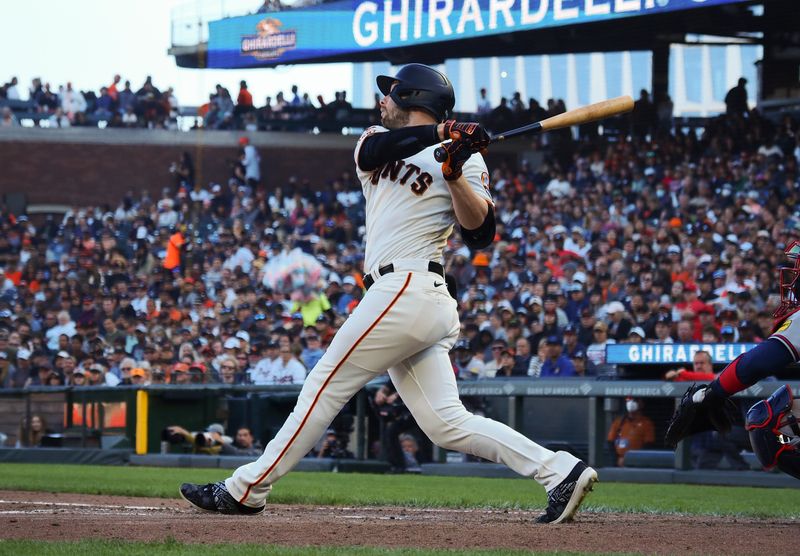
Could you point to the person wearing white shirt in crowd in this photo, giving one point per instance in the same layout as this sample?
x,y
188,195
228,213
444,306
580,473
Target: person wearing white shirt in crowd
x,y
12,92
262,372
596,352
64,326
559,187
286,369
251,162
72,101
167,216
577,243
242,258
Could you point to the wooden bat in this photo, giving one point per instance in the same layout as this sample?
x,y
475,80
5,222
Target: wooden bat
x,y
583,115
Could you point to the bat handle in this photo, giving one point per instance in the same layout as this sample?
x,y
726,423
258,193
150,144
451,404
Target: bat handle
x,y
440,154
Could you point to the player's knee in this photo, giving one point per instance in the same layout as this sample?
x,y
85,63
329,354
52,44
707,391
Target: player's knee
x,y
773,431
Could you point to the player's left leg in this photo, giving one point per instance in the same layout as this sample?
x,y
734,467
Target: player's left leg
x,y
427,385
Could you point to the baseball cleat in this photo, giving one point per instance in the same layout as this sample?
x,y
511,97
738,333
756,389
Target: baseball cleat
x,y
563,501
214,497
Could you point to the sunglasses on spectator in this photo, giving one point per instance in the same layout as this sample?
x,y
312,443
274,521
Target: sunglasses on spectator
x,y
228,367
126,368
312,337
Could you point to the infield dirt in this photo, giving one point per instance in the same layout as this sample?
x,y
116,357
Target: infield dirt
x,y
45,516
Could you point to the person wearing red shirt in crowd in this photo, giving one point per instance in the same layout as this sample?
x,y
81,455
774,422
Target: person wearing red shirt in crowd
x,y
691,307
244,102
702,370
113,91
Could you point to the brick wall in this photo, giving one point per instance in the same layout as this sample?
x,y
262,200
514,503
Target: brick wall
x,y
74,173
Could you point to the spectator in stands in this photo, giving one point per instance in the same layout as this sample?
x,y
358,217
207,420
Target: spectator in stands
x,y
11,89
244,100
631,431
556,364
702,370
72,102
30,436
286,369
58,119
596,352
484,105
243,444
619,324
506,364
663,329
251,162
736,99
312,352
522,359
104,107
494,364
468,366
7,118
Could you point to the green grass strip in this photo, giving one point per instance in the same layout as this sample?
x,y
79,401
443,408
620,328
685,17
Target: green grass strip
x,y
174,548
353,489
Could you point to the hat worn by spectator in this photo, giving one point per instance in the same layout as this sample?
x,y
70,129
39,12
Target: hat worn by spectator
x,y
231,343
141,328
463,343
215,427
349,280
243,336
664,318
615,307
553,340
535,300
138,371
579,277
23,353
62,355
727,329
638,331
180,368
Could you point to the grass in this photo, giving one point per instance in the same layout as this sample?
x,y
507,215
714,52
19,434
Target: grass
x,y
352,489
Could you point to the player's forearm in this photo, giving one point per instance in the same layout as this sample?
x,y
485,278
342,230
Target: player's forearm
x,y
470,208
397,144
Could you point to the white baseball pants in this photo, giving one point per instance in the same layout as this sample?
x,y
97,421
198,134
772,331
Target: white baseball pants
x,y
406,323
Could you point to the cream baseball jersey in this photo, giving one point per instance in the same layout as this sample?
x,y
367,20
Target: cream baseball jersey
x,y
409,210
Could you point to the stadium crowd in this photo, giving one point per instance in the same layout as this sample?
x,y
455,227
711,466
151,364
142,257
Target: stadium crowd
x,y
655,237
117,105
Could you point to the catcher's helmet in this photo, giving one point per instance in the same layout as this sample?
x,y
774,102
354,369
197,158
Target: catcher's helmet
x,y
789,282
420,86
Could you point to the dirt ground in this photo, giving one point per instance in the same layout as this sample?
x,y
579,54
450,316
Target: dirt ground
x,y
45,516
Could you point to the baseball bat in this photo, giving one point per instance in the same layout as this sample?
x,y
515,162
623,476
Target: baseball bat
x,y
583,115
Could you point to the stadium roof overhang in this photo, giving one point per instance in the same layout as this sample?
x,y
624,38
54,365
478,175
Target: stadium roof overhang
x,y
643,30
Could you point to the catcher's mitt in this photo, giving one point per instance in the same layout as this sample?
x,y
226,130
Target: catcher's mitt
x,y
713,413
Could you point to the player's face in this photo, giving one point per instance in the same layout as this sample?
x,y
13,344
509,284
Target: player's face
x,y
392,116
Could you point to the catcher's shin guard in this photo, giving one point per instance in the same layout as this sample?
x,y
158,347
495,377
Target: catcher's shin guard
x,y
775,433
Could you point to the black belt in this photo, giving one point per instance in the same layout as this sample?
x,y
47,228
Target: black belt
x,y
386,269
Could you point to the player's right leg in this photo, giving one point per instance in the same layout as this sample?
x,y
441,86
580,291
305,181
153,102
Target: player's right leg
x,y
427,385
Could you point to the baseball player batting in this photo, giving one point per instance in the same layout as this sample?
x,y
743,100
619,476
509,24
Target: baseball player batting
x,y
772,423
407,321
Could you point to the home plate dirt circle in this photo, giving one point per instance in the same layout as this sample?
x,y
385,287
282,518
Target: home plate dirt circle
x,y
59,517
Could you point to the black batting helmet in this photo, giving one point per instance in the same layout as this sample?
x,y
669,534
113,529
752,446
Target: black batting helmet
x,y
420,86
